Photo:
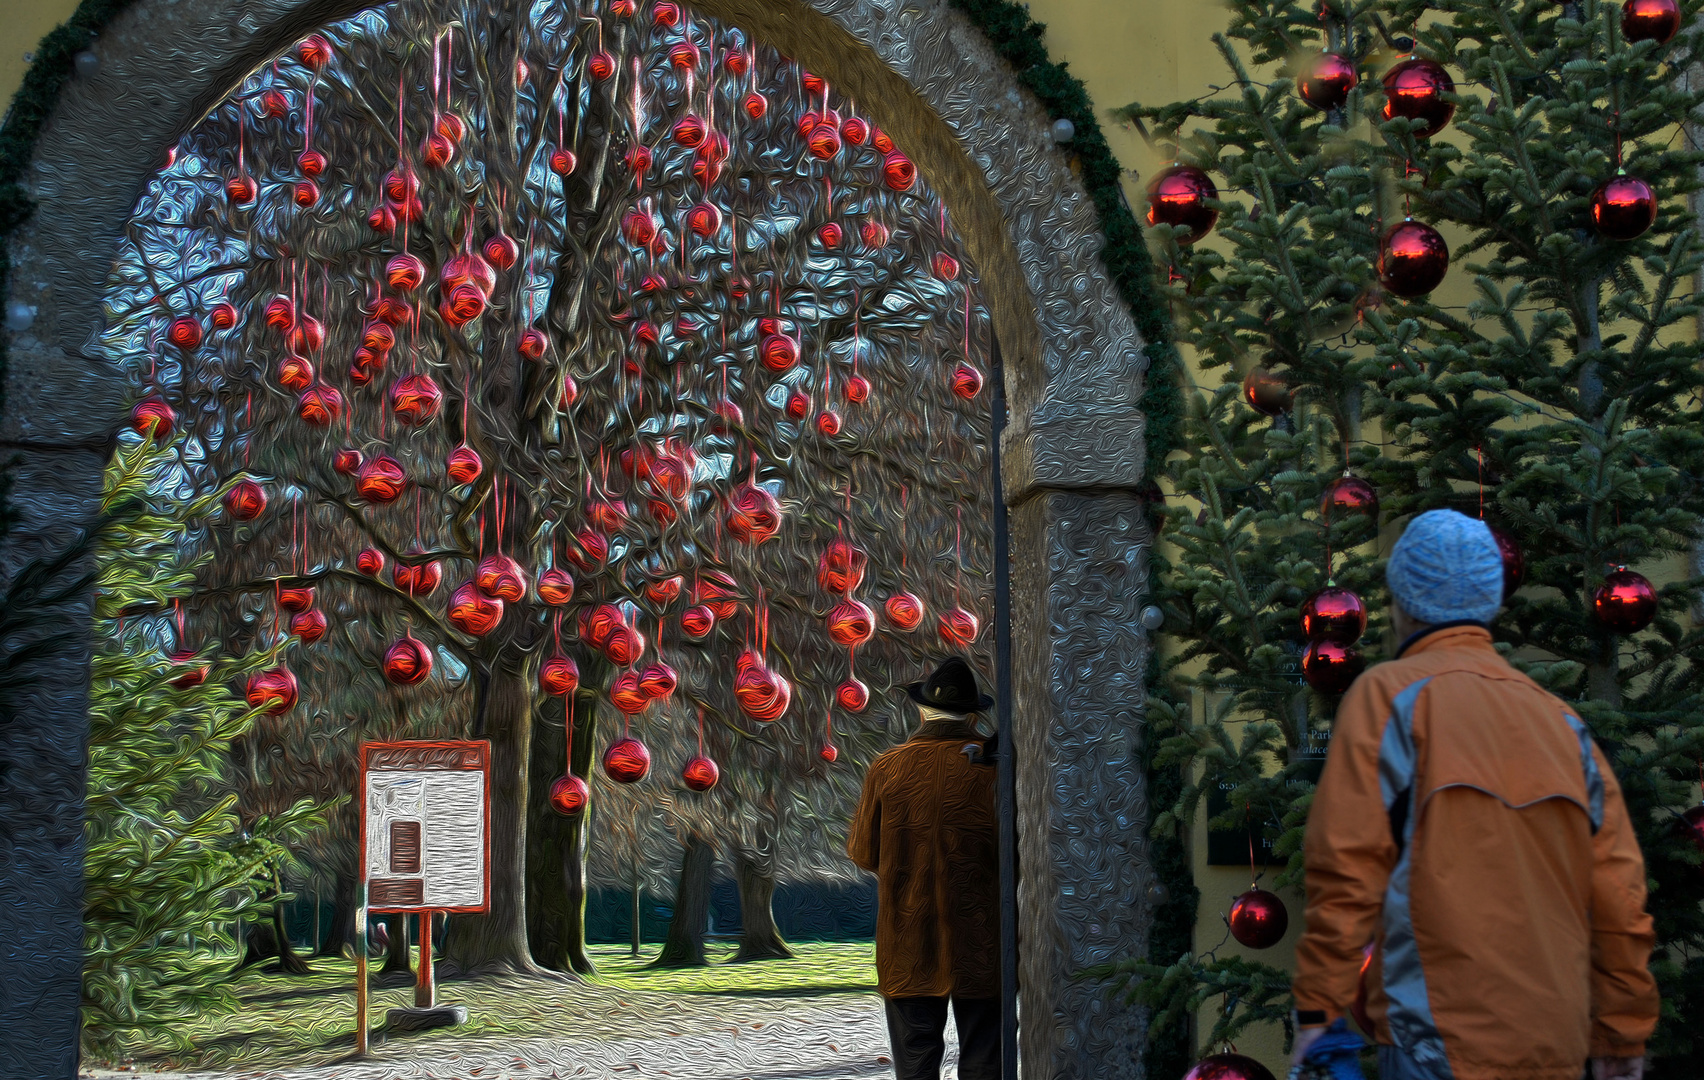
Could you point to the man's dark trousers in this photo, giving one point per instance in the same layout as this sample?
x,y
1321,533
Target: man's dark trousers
x,y
917,1028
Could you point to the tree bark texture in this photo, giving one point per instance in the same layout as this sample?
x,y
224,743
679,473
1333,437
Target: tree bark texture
x,y
684,946
340,933
289,962
754,874
396,953
556,846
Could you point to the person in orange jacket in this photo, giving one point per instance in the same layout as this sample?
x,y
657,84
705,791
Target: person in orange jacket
x,y
1467,825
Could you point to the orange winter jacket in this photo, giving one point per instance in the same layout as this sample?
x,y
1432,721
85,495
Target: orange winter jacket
x,y
1467,825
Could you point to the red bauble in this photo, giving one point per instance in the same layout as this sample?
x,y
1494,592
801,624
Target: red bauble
x,y
464,466
813,84
697,621
1334,614
569,795
306,336
898,171
280,313
855,130
718,592
666,13
474,613
1258,919
1330,667
501,577
405,272
408,661
945,266
501,251
1266,392
309,626
556,586
533,343
1327,81
370,561
689,131
829,752
874,234
779,352
798,405
1348,495
296,598
273,104
704,219
588,551
570,391
1228,1067
559,676
637,159
755,105
464,304
419,580
736,63
562,162
381,480
808,122
967,381
597,624
305,193
468,269
852,695
1623,207
1414,90
639,227
762,694
192,675
627,761
312,163
240,189
625,646
664,592
320,406
381,219
828,423
601,66
851,622
315,52
658,681
1413,259
152,416
1514,561
223,316
392,311
246,500
830,235
904,611
841,567
437,151
1178,197
700,774
416,399
451,127
824,141
272,691
378,336
1625,603
184,332
753,514
959,627
627,695
857,389
1650,20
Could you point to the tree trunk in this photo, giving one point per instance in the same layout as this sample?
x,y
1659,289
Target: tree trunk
x,y
340,934
684,946
397,970
556,879
289,962
754,873
574,850
495,942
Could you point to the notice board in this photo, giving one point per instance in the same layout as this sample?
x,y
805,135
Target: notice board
x,y
426,825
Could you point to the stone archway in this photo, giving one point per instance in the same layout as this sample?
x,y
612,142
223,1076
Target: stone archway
x,y
1073,457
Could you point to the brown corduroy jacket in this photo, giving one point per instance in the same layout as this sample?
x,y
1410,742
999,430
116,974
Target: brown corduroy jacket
x,y
926,827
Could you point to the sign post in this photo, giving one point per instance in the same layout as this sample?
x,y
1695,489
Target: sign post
x,y
425,849
361,968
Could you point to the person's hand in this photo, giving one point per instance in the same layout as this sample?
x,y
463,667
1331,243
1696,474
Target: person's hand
x,y
1306,1037
1618,1068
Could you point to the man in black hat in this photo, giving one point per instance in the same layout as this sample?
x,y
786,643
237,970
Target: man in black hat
x,y
926,827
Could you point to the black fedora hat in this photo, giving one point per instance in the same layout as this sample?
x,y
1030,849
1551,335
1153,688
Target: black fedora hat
x,y
950,688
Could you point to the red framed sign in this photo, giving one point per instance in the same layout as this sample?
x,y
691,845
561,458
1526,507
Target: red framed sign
x,y
426,826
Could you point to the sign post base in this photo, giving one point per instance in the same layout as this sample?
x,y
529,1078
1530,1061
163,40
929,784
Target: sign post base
x,y
400,1020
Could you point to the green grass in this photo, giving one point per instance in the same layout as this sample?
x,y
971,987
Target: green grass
x,y
310,1019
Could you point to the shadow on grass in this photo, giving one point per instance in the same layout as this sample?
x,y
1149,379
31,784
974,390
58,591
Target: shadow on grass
x,y
820,990
292,995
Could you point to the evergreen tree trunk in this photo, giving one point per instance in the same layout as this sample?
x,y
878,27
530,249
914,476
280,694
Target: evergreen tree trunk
x,y
397,970
684,946
289,963
754,874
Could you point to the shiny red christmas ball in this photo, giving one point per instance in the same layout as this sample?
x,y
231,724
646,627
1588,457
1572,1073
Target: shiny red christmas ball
x,y
779,352
1623,207
959,628
502,251
588,551
532,343
719,592
945,266
370,561
762,694
314,51
697,621
1514,561
626,694
704,220
1650,20
1330,667
857,389
381,219
280,313
153,417
408,661
378,336
904,611
307,335
1228,1067
830,235
665,591
755,105
637,159
855,130
967,381
245,501
798,405
736,63
273,104
700,774
309,626
851,623
1349,495
272,691
401,185
381,480
1625,603
223,315
813,84
898,172
601,66
556,586
666,13
829,752
437,151
639,227
625,646
416,399
419,580
828,423
563,161
296,598
598,623
474,613
658,681
880,140
192,673
689,131
823,141
1178,197
464,304
1327,80
305,193
559,676
1334,614
468,269
1413,259
627,761
463,465
1267,393
451,127
852,695
184,332
240,189
312,163
1414,90
1258,919
841,567
320,406
392,311
754,516
501,577
405,272
569,795
874,234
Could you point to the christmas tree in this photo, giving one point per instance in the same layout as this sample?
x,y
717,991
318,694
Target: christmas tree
x,y
1449,266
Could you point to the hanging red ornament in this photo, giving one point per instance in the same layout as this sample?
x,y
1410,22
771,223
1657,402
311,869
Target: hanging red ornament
x,y
296,598
501,251
378,335
880,140
1514,561
307,335
807,123
1258,919
627,761
828,423
381,219
598,623
665,13
798,405
295,373
755,105
1228,1067
556,586
736,63
223,315
704,219
1625,603
280,313
191,674
320,406
601,66
405,272
272,691
315,52
240,190
945,266
1267,393
1348,495
1650,20
1178,197
823,141
1623,207
700,774
855,130
898,171
719,592
639,227
562,161
1334,614
419,580
904,611
416,399
959,628
1327,80
762,694
829,235
1414,90
852,695
468,269
474,613
559,676
697,621
779,352
392,311
381,480
1413,259
851,622
588,551
841,567
626,694
184,332
857,389
658,681
570,391
966,382
813,84
875,234
753,514
305,193
532,343
689,131
437,151
569,795
408,661
370,561
245,501
829,752
463,465
464,304
309,626
664,592
1330,667
625,646
312,163
637,159
274,105
501,577
153,417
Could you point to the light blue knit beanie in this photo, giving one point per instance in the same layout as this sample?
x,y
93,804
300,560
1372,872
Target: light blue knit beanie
x,y
1446,568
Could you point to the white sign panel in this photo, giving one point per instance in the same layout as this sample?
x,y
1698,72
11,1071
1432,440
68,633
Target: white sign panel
x,y
425,827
